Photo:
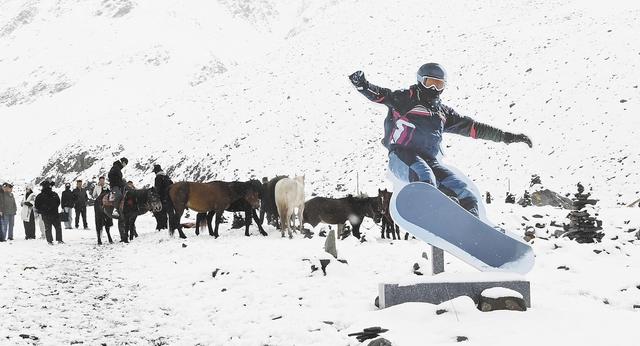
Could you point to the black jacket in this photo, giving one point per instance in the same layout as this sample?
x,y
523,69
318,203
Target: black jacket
x,y
47,202
416,120
162,183
115,175
68,198
80,196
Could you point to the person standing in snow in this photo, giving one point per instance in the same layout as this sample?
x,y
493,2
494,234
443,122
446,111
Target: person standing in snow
x,y
116,181
47,203
414,126
161,185
9,210
80,197
27,215
68,201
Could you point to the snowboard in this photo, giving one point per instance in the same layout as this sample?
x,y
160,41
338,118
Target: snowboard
x,y
428,214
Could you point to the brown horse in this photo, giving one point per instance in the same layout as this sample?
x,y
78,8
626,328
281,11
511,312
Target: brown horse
x,y
337,211
215,196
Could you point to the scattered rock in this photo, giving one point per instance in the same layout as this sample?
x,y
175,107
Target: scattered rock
x,y
313,268
461,338
276,318
441,311
215,272
27,268
636,306
547,197
425,256
623,101
563,267
31,337
380,342
500,298
322,233
323,264
330,244
343,261
184,245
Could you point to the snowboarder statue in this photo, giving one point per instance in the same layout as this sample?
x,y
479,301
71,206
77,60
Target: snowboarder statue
x,y
413,129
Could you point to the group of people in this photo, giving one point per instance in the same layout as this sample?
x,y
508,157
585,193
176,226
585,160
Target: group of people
x,y
44,208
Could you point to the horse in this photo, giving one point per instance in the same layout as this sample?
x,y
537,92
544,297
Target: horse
x,y
213,197
268,202
289,195
133,203
336,211
102,220
388,225
239,205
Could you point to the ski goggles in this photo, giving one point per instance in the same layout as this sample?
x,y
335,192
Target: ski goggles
x,y
433,83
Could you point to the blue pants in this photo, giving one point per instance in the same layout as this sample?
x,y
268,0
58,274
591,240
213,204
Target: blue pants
x,y
410,167
6,231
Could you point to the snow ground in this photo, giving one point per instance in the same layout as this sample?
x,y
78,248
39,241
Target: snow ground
x,y
156,291
232,89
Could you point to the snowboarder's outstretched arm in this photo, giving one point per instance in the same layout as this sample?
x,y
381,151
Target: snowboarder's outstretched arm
x,y
466,126
373,92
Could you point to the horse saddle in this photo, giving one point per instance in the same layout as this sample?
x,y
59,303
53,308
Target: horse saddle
x,y
108,200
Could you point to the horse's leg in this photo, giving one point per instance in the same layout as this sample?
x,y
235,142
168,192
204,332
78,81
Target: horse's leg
x,y
133,233
106,228
199,219
259,223
284,222
210,216
247,221
383,227
301,217
355,229
218,218
122,229
340,230
99,233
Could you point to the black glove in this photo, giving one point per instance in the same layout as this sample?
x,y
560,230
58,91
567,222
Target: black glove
x,y
517,138
358,80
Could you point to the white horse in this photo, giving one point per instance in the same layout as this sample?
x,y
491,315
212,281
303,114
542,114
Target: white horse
x,y
289,195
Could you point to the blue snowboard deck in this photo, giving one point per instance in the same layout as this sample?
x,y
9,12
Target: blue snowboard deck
x,y
431,216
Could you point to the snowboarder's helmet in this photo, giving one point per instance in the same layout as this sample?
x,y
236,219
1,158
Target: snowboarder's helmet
x,y
432,76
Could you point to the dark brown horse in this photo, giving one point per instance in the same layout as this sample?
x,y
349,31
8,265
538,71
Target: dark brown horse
x,y
240,205
213,197
336,211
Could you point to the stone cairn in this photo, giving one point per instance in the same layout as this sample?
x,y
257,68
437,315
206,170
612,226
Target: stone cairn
x,y
583,227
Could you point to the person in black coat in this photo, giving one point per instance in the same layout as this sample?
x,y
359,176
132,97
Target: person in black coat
x,y
162,183
80,197
68,201
117,183
47,203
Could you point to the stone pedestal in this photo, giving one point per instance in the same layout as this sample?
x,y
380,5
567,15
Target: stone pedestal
x,y
444,287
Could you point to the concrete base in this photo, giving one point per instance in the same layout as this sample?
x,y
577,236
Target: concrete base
x,y
438,290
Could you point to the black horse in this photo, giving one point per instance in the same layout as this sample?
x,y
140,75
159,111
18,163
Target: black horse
x,y
134,203
102,220
337,211
268,206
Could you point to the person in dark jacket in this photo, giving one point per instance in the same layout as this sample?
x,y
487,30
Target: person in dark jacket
x,y
47,203
415,123
161,185
68,202
117,183
80,205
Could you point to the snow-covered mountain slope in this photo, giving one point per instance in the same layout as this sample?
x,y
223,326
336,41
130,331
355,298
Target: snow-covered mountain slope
x,y
232,89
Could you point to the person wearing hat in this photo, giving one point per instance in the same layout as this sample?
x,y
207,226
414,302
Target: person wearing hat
x,y
117,183
162,183
27,215
68,202
47,203
80,205
8,211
